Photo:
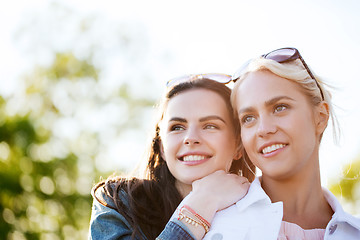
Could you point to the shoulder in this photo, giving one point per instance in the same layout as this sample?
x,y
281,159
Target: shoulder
x,y
106,219
113,190
342,222
108,223
121,190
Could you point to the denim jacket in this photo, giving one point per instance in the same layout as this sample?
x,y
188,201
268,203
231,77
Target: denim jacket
x,y
107,223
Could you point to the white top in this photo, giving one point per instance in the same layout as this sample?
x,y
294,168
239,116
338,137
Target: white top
x,y
292,231
255,217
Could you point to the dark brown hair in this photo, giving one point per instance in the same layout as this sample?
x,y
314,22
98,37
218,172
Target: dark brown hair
x,y
150,202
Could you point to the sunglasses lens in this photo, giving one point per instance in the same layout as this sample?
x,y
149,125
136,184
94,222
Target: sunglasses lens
x,y
282,55
177,80
240,71
221,78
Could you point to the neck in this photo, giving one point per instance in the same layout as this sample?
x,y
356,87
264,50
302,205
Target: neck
x,y
302,196
184,189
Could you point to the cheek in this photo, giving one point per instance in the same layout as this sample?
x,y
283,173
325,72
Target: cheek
x,y
305,127
229,143
169,145
246,138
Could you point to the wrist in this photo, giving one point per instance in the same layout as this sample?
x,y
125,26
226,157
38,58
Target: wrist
x,y
192,217
202,205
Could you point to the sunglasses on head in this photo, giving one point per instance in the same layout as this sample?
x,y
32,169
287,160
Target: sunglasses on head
x,y
282,55
219,77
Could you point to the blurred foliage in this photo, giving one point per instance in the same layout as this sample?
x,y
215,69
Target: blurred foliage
x,y
45,179
38,198
347,188
68,66
56,127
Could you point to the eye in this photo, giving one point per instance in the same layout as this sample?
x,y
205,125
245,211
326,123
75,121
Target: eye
x,y
280,108
211,126
177,127
247,119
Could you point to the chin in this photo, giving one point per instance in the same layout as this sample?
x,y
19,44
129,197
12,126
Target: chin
x,y
190,180
277,175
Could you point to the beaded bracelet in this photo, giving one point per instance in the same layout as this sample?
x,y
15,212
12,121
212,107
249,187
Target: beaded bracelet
x,y
198,220
197,215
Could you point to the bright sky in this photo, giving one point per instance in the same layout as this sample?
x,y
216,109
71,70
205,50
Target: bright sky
x,y
218,36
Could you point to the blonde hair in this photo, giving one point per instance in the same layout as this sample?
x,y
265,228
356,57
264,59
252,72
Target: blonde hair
x,y
293,71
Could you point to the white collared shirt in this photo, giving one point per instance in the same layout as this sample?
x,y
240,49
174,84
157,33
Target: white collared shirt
x,y
256,217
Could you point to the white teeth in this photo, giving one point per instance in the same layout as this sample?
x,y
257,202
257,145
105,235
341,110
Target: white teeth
x,y
272,148
193,158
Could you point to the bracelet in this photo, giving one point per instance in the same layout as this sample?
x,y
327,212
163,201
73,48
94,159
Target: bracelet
x,y
197,215
198,220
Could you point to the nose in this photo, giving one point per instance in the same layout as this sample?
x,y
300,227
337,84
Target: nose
x,y
192,137
266,126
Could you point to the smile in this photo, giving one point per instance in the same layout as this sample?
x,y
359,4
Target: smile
x,y
272,148
190,158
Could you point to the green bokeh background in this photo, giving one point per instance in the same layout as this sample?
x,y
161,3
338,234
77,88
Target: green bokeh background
x,y
45,180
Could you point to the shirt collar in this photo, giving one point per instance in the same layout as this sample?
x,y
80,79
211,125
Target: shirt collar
x,y
255,194
339,214
333,202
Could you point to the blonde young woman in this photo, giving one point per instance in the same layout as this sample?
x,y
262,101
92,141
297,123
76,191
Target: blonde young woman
x,y
283,111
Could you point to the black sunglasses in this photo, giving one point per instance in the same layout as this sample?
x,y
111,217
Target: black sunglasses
x,y
282,55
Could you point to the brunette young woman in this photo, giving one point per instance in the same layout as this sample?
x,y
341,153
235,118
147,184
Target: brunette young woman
x,y
283,111
194,147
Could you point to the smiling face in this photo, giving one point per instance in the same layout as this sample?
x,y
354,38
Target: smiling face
x,y
280,129
197,134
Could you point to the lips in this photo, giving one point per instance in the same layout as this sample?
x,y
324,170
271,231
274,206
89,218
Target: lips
x,y
272,148
193,157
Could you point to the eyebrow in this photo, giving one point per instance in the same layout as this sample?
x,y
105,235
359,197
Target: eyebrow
x,y
212,117
203,119
267,103
177,119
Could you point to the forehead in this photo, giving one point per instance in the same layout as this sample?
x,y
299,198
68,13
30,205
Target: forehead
x,y
264,85
196,102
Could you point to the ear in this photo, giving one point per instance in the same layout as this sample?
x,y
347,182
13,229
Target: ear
x,y
322,117
238,153
235,165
